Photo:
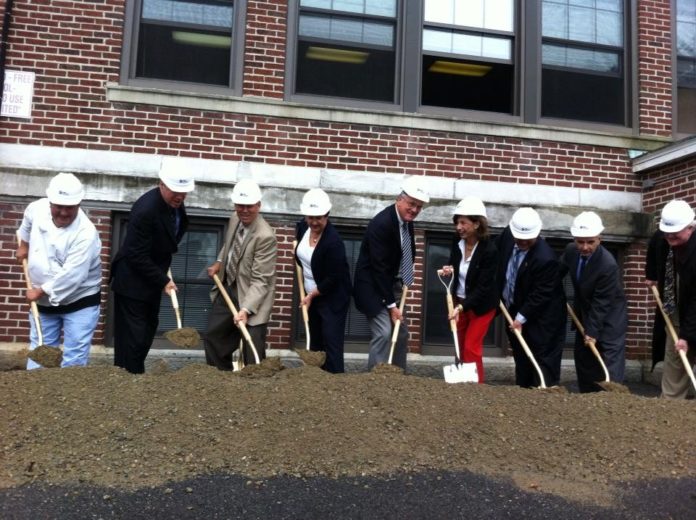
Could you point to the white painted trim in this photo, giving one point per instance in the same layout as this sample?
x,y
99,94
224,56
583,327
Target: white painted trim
x,y
664,156
343,183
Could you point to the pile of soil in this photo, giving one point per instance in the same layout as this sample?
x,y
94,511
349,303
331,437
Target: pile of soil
x,y
101,425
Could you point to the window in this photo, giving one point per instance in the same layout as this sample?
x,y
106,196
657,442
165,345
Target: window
x,y
467,55
190,41
197,250
507,60
347,48
686,66
583,55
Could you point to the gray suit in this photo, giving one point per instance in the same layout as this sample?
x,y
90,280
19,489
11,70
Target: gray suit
x,y
253,289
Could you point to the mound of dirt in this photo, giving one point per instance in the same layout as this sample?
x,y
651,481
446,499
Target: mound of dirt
x,y
104,426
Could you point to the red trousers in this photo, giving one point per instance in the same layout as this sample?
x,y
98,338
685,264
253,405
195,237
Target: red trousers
x,y
471,329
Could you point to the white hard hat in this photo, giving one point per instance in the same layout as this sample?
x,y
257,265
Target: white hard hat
x,y
587,224
525,224
676,215
176,176
65,190
416,187
246,192
470,206
315,203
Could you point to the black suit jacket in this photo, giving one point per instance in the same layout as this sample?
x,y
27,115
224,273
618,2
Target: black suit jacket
x,y
480,283
685,266
329,267
379,262
539,294
139,269
600,302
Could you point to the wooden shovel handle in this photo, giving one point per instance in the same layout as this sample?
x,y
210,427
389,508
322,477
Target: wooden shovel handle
x,y
674,335
525,347
175,302
32,305
300,284
397,323
235,313
591,344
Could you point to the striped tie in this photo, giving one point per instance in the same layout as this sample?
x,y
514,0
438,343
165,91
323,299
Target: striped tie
x,y
406,256
511,276
233,257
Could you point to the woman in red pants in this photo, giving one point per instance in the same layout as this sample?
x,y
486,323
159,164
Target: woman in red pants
x,y
473,263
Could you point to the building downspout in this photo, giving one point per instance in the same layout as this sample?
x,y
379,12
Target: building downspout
x,y
3,44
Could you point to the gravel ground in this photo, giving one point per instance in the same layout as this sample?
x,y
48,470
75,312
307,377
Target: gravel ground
x,y
100,428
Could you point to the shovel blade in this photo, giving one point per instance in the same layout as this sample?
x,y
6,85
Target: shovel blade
x,y
462,373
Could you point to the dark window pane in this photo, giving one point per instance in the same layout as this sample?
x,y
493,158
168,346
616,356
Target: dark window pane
x,y
573,94
197,250
345,71
468,84
183,55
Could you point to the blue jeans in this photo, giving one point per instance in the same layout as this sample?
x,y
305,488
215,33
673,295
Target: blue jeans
x,y
77,328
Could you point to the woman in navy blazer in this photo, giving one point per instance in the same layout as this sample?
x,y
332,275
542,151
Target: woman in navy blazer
x,y
322,255
473,263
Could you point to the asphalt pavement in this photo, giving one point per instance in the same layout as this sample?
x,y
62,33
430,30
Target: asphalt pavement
x,y
418,496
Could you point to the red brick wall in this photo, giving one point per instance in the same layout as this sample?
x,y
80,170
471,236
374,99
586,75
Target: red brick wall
x,y
14,309
264,60
655,67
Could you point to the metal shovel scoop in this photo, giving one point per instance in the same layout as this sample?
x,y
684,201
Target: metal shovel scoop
x,y
458,372
181,336
44,355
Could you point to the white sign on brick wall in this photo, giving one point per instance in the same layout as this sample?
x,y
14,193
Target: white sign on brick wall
x,y
18,93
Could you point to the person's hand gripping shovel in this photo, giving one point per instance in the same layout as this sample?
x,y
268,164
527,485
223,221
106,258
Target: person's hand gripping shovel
x,y
458,372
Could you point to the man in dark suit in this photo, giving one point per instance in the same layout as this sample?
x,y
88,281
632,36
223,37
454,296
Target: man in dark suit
x,y
247,265
600,303
671,264
385,265
529,277
156,224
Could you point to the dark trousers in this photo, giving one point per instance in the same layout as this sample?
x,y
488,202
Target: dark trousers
x,y
588,368
222,336
547,356
135,325
327,333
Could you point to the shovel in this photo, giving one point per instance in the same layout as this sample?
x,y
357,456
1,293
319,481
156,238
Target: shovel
x,y
607,384
397,324
300,283
45,355
308,356
235,313
459,372
526,348
182,336
675,337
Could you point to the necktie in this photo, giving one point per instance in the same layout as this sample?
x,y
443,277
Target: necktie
x,y
406,256
581,267
174,215
511,275
233,257
670,295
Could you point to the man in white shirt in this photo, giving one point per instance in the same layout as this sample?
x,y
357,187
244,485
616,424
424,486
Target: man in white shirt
x,y
62,247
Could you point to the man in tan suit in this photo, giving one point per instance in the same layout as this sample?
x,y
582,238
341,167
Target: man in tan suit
x,y
247,266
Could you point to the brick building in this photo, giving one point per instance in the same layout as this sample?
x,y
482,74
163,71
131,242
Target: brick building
x,y
521,103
